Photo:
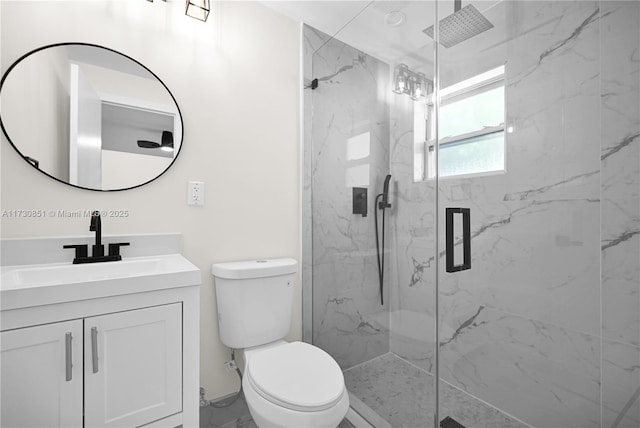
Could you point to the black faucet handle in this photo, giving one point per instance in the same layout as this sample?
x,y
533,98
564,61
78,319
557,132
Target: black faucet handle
x,y
81,250
97,250
114,248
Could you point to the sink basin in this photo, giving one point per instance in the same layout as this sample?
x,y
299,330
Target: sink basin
x,y
41,284
61,274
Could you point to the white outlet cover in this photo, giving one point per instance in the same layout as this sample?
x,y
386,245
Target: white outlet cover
x,y
195,193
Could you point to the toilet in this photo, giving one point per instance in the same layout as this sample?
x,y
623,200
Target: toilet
x,y
286,385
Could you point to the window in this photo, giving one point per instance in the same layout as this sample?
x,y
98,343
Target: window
x,y
471,129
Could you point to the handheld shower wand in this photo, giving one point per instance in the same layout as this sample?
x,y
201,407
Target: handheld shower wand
x,y
383,204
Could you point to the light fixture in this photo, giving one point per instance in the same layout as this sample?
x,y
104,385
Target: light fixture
x,y
166,145
420,87
198,9
401,79
167,141
416,85
395,18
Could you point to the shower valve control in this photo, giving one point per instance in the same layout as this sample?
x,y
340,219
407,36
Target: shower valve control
x,y
360,201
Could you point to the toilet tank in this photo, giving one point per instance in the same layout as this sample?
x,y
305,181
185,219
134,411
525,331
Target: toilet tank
x,y
255,300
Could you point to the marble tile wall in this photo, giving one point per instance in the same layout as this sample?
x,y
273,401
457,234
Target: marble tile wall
x,y
412,311
347,145
546,325
547,321
620,235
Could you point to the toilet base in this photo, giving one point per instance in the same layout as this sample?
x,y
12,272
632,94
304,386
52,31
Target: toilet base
x,y
268,415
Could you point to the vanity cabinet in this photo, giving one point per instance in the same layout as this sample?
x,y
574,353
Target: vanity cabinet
x,y
133,366
131,374
39,389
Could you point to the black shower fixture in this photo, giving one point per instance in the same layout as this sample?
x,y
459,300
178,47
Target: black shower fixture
x,y
381,203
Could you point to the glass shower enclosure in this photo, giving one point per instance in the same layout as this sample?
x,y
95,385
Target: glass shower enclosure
x,y
507,290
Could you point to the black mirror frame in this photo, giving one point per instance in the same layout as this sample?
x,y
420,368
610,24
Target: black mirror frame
x,y
31,161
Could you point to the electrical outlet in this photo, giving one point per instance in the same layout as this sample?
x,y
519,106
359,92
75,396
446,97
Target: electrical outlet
x,y
195,193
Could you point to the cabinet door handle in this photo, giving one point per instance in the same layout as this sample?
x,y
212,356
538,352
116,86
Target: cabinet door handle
x,y
68,356
94,348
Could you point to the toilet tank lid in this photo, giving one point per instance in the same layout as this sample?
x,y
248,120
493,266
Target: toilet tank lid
x,y
254,268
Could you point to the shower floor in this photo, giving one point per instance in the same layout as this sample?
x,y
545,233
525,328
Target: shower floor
x,y
403,395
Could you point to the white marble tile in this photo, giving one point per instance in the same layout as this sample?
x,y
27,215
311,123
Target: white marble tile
x,y
346,111
412,337
542,374
539,260
348,318
621,291
556,239
553,100
404,395
621,172
536,229
620,385
621,214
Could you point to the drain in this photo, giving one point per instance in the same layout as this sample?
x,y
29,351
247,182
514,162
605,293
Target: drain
x,y
449,422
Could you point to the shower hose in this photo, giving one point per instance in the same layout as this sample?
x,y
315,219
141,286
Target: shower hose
x,y
380,254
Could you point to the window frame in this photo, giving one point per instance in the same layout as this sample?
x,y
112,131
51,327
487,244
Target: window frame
x,y
462,90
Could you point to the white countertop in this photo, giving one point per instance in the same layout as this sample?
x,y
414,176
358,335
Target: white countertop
x,y
30,285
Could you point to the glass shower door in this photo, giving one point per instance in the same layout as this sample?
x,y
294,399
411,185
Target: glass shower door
x,y
369,252
539,135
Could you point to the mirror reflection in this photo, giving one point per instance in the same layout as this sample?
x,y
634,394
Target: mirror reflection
x,y
90,117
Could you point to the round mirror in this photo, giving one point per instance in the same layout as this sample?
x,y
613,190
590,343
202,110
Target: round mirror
x,y
90,117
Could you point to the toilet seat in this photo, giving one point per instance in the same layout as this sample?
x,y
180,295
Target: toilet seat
x,y
296,376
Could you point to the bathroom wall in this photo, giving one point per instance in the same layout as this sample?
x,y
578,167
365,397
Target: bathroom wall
x,y
545,324
236,81
620,213
346,146
120,169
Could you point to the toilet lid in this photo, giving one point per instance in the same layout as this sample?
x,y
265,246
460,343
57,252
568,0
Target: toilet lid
x,y
297,376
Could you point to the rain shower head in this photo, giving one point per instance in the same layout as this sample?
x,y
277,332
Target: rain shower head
x,y
461,25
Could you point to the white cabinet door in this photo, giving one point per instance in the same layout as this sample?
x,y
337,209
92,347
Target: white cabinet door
x,y
41,376
133,366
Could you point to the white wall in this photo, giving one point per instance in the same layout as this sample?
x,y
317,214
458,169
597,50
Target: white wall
x,y
236,80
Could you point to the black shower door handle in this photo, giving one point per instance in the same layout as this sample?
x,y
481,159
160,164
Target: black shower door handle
x,y
466,239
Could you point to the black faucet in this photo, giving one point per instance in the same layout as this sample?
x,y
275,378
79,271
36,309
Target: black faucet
x,y
96,226
97,253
